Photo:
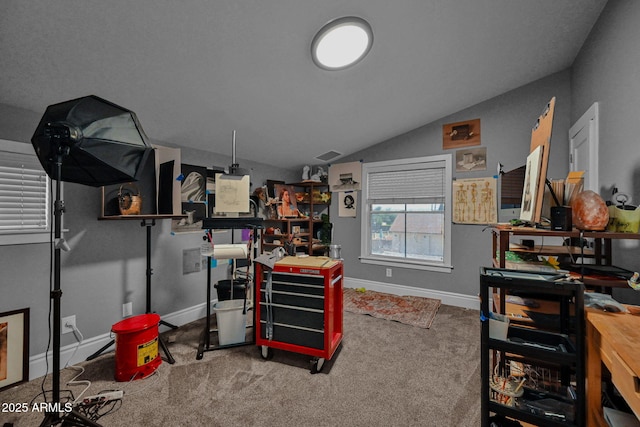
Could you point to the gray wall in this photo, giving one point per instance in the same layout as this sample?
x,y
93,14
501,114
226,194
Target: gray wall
x,y
607,71
106,266
107,263
505,123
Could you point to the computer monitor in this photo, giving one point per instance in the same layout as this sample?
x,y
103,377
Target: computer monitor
x,y
511,186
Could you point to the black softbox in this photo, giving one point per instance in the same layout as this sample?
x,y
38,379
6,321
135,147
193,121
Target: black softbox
x,y
104,143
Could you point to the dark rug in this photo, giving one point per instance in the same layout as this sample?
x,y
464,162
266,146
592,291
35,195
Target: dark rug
x,y
410,310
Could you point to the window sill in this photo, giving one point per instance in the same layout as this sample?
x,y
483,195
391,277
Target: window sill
x,y
440,268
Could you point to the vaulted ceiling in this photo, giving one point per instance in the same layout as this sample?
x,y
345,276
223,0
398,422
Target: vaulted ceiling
x,y
195,70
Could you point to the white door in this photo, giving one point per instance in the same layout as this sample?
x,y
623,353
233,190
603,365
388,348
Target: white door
x,y
583,148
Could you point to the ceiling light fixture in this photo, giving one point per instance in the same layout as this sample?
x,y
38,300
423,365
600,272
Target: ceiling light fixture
x,y
341,43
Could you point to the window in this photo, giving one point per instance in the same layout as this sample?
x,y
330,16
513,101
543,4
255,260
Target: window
x,y
406,220
24,196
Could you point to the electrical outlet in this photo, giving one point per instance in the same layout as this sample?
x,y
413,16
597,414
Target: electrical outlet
x,y
68,323
389,272
127,309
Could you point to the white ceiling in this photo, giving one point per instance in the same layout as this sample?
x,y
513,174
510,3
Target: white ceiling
x,y
195,70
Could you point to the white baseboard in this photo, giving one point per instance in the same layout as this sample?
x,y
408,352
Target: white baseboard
x,y
76,353
448,298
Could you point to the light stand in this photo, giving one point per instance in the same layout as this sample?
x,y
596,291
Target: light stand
x,y
88,141
53,418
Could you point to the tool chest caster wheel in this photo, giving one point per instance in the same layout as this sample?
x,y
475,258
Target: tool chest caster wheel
x,y
266,352
317,364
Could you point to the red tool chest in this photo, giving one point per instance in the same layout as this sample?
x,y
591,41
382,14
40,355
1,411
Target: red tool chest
x,y
300,308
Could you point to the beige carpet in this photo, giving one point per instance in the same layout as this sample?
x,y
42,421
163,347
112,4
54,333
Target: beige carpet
x,y
410,310
383,374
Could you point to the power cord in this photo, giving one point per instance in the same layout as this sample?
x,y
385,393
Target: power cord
x,y
74,381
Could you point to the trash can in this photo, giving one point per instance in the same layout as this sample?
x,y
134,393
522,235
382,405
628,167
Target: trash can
x,y
231,321
136,347
223,288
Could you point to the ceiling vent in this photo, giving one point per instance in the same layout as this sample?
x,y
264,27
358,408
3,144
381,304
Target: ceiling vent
x,y
329,155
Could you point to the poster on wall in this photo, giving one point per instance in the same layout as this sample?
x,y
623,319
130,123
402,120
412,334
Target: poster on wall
x,y
348,204
461,134
471,159
475,201
345,176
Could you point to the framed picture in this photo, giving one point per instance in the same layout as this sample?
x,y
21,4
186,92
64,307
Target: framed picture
x,y
461,134
471,159
345,176
530,188
14,348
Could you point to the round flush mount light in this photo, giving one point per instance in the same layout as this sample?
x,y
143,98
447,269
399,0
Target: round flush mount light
x,y
341,43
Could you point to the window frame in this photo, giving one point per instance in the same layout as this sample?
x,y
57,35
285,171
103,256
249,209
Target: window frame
x,y
20,237
442,161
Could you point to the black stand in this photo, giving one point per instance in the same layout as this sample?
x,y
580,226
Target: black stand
x,y
232,224
54,417
148,223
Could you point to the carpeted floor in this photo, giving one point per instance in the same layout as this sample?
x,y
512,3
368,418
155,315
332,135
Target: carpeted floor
x,y
410,310
383,374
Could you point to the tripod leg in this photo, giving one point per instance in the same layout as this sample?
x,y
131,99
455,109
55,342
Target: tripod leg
x,y
99,352
172,326
170,358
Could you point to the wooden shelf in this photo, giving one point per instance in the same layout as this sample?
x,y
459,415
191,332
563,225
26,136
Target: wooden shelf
x,y
140,217
309,225
601,252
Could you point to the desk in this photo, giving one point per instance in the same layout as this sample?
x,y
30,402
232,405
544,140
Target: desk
x,y
612,339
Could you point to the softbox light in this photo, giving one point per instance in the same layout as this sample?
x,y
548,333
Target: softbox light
x,y
102,143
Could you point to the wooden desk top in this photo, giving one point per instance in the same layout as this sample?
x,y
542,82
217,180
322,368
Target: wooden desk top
x,y
622,331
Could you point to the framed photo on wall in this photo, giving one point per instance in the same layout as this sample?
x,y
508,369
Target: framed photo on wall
x,y
461,134
14,348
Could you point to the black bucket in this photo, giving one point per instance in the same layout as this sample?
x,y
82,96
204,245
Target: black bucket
x,y
223,288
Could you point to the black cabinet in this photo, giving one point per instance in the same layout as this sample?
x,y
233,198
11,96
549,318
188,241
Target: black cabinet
x,y
536,373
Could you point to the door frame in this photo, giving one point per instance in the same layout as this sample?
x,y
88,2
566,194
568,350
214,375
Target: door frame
x,y
590,118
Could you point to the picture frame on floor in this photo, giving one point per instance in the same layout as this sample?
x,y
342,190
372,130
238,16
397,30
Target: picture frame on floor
x,y
14,348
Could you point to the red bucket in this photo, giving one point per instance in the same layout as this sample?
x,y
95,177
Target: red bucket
x,y
136,347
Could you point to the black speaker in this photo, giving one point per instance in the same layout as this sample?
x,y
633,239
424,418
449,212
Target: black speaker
x,y
561,218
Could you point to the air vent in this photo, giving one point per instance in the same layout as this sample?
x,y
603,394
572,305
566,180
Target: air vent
x,y
328,156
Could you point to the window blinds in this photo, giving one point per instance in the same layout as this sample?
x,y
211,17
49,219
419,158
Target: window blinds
x,y
24,188
416,185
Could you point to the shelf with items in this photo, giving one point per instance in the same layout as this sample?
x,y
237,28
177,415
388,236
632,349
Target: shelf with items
x,y
504,250
313,201
533,373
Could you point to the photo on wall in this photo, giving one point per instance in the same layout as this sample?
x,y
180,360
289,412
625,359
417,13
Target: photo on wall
x,y
348,204
345,176
471,159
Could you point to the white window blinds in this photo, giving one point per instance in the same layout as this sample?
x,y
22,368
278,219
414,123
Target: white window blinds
x,y
416,185
24,189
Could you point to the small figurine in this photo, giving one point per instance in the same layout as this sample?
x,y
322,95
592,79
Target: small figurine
x,y
306,171
319,175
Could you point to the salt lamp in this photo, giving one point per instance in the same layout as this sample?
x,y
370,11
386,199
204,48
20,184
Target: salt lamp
x,y
589,211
